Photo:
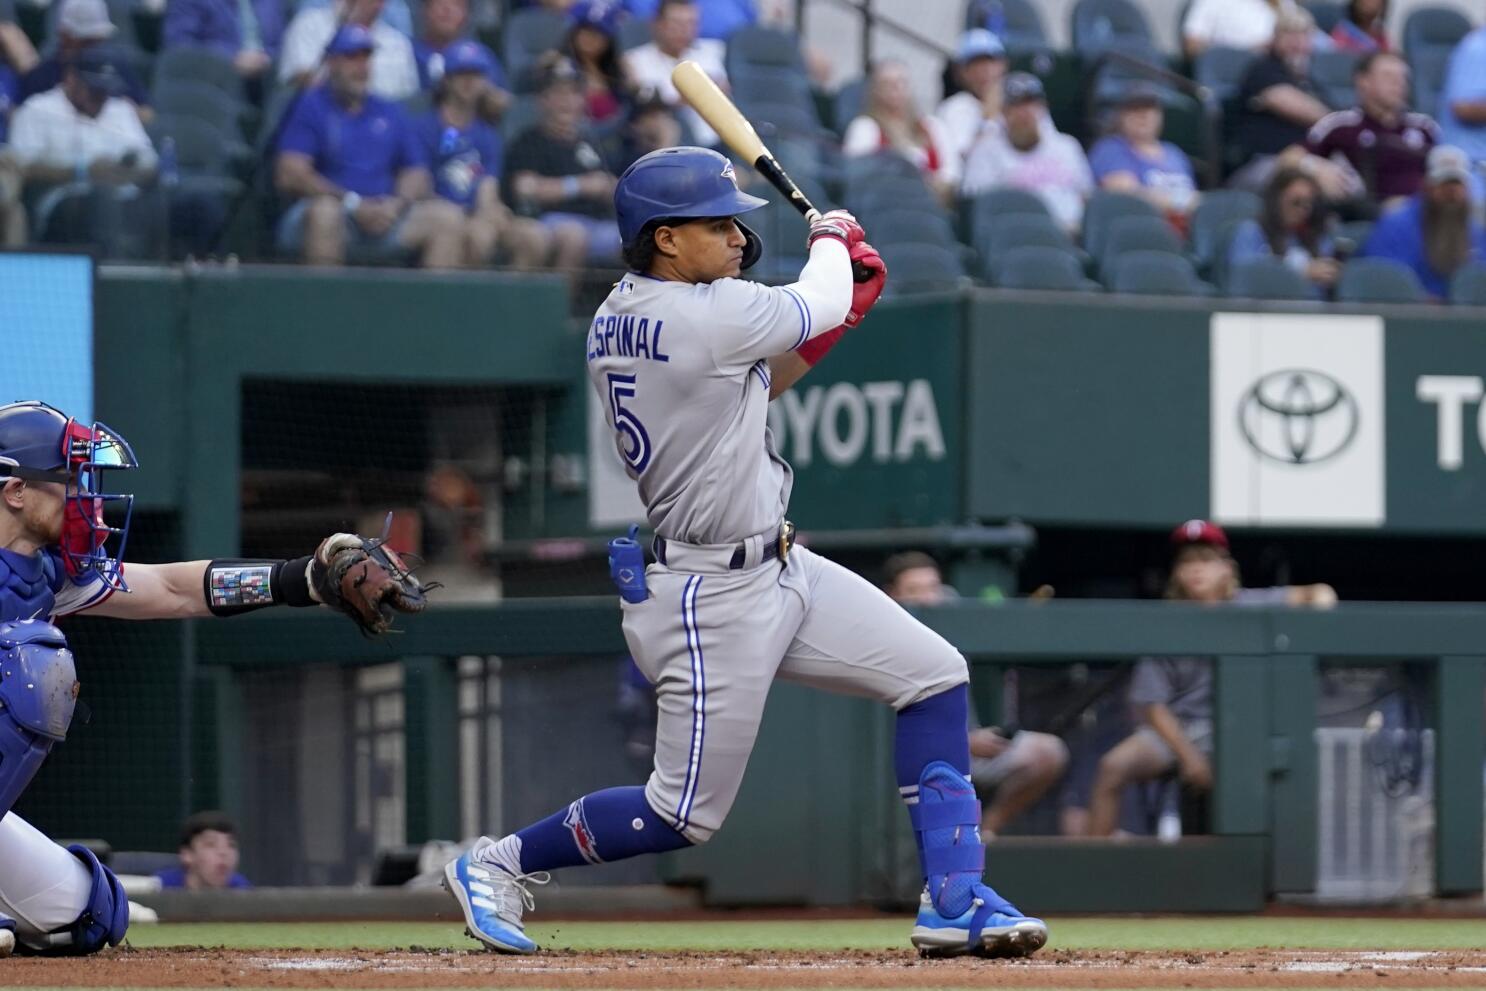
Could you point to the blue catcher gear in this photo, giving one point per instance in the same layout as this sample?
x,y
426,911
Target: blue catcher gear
x,y
677,183
103,922
40,443
38,692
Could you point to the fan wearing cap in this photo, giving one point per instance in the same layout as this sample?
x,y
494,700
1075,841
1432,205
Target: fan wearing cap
x,y
246,33
555,174
464,153
80,25
1435,232
1030,153
445,24
394,71
1133,158
1173,696
358,172
592,42
980,68
83,128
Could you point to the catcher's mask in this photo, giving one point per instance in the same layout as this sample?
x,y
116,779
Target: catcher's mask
x,y
40,443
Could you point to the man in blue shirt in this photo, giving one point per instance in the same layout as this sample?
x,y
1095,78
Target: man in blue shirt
x,y
1462,106
720,18
1135,160
208,855
358,172
1433,233
244,32
465,153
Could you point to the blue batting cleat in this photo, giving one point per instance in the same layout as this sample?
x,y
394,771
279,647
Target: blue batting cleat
x,y
492,899
990,927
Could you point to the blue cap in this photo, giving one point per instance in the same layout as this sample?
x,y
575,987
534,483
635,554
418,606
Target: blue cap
x,y
602,15
979,43
468,56
351,39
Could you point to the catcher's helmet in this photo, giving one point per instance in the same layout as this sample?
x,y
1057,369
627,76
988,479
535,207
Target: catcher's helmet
x,y
41,443
683,183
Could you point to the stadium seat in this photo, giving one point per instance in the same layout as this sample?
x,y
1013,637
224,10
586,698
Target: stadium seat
x,y
1015,21
232,117
1351,236
763,46
1430,34
1468,287
197,65
879,195
773,117
1213,221
1222,69
847,103
1041,267
899,226
1102,210
1332,74
1328,13
1155,273
922,268
1099,25
528,34
1378,280
1006,233
1136,233
199,148
633,32
767,84
1268,278
1003,202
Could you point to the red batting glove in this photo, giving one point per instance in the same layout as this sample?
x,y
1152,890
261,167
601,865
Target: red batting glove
x,y
864,294
838,224
863,298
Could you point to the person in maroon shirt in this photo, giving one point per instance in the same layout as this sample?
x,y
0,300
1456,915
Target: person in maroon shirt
x,y
1382,140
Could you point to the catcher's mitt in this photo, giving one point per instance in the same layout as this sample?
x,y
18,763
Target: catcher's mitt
x,y
367,580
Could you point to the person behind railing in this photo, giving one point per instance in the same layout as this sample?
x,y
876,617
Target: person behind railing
x,y
1434,232
1133,158
1014,767
208,856
1029,153
1292,226
980,68
892,122
1173,696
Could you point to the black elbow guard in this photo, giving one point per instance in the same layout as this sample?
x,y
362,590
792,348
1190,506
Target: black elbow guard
x,y
232,586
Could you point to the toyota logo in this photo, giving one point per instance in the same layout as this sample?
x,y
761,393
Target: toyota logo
x,y
1298,416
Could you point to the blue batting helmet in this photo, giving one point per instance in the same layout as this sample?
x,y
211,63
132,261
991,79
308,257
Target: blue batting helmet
x,y
677,183
42,444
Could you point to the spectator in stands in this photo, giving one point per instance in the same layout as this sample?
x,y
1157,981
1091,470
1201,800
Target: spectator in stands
x,y
16,57
891,122
1363,29
1134,159
1463,100
246,33
649,66
1292,227
83,129
358,172
718,18
465,155
1029,153
394,70
1381,139
1173,695
553,173
1278,105
980,67
445,24
17,54
1435,232
652,126
208,855
1015,769
81,25
1245,24
593,45
396,14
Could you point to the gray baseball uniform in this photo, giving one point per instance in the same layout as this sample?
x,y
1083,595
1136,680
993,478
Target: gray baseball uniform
x,y
682,372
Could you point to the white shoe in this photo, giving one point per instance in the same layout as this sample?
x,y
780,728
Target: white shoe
x,y
492,900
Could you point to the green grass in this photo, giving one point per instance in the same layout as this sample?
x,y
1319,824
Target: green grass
x,y
1187,933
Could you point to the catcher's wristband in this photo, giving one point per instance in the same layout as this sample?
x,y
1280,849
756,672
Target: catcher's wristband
x,y
234,586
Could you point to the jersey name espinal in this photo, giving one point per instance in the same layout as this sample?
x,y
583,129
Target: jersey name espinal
x,y
626,336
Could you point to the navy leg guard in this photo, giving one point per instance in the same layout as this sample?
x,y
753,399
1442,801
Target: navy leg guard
x,y
103,922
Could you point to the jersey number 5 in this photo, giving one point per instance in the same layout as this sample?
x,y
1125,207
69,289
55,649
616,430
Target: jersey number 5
x,y
636,442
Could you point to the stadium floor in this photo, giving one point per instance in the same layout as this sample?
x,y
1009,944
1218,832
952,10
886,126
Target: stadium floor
x,y
1127,953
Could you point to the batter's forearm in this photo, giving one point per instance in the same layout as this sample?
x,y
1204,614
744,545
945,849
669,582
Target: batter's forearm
x,y
784,371
824,286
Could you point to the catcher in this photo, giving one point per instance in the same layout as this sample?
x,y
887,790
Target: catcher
x,y
61,553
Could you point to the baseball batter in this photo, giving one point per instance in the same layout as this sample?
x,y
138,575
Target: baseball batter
x,y
686,357
58,556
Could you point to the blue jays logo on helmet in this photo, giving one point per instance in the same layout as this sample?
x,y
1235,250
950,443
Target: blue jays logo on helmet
x,y
40,443
683,183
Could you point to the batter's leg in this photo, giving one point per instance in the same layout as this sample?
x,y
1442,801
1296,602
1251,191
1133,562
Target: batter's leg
x,y
855,640
710,644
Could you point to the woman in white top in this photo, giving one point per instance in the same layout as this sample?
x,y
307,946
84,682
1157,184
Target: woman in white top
x,y
892,123
1246,24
